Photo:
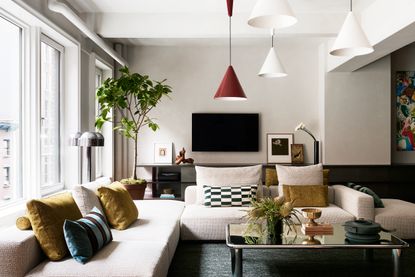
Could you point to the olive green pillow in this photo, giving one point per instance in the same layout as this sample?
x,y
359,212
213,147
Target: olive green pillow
x,y
118,206
47,216
306,195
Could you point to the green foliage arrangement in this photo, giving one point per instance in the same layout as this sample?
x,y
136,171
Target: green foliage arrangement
x,y
133,96
273,211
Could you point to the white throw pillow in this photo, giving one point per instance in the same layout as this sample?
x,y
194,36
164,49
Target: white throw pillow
x,y
227,176
299,175
86,197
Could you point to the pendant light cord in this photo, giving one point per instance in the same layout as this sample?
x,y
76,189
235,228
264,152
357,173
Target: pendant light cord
x,y
351,5
230,40
272,40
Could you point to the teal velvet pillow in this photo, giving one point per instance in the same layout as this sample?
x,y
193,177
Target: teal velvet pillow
x,y
84,237
377,201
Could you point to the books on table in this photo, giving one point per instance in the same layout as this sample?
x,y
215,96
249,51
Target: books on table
x,y
319,229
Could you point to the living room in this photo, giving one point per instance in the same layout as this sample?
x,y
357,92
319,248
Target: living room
x,y
348,114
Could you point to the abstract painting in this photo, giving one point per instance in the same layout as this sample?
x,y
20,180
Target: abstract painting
x,y
405,110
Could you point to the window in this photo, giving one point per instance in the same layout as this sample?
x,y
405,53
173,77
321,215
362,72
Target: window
x,y
10,107
6,143
50,90
99,75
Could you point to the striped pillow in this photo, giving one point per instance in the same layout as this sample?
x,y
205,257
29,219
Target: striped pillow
x,y
85,236
229,196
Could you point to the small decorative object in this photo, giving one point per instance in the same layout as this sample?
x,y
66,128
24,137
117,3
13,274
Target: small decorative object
x,y
278,148
132,96
181,158
405,101
274,213
311,214
163,153
297,153
302,127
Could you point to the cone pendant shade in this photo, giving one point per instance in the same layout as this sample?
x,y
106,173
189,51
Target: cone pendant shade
x,y
351,40
230,88
269,14
272,66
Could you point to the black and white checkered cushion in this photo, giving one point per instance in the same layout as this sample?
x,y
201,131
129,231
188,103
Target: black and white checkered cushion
x,y
229,196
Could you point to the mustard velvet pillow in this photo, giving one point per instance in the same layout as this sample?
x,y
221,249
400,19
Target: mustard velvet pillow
x,y
306,195
118,205
23,223
47,216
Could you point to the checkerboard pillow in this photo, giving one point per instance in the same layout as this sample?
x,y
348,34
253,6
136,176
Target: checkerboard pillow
x,y
229,196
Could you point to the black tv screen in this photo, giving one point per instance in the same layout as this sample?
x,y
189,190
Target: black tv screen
x,y
225,132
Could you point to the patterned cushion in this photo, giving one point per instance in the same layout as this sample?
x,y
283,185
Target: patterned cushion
x,y
377,201
87,235
229,196
227,176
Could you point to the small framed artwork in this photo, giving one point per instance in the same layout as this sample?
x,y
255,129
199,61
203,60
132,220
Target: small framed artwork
x,y
297,153
163,153
279,148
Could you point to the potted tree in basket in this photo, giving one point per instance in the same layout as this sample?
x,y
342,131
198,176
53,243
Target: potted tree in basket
x,y
133,96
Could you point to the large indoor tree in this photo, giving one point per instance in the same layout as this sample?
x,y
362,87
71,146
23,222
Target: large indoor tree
x,y
131,96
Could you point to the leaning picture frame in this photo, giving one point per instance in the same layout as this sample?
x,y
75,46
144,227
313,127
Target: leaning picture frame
x,y
279,147
163,153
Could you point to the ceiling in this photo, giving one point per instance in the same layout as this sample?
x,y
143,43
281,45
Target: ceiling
x,y
153,22
207,6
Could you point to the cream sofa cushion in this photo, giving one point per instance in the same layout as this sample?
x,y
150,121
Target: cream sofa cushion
x,y
299,175
227,176
86,197
119,258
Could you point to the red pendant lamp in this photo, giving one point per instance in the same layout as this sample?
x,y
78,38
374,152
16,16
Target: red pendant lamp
x,y
230,88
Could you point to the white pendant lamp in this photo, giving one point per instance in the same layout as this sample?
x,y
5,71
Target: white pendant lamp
x,y
272,67
269,14
351,40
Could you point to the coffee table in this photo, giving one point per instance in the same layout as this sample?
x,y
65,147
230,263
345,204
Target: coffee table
x,y
296,240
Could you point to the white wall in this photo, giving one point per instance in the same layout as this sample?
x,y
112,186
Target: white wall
x,y
357,116
194,72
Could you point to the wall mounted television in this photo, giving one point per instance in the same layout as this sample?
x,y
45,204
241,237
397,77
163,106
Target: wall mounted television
x,y
225,132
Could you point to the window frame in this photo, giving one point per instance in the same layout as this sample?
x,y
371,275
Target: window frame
x,y
18,191
46,190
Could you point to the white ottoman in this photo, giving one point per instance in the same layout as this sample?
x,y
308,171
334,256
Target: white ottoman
x,y
398,215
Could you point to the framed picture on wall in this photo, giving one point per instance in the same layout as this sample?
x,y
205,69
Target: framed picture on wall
x,y
279,147
297,153
163,153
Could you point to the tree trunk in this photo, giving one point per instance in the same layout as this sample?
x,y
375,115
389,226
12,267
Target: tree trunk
x,y
134,175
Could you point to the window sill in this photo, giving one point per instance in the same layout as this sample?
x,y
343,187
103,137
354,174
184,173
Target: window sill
x,y
9,213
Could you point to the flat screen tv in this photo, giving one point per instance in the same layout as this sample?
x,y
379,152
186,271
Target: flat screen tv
x,y
225,132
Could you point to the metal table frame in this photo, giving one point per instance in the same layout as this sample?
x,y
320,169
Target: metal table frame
x,y
237,250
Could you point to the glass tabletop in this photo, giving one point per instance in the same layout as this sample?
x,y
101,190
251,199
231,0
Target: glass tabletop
x,y
244,236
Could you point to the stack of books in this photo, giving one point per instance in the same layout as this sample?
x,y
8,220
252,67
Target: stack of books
x,y
167,196
320,229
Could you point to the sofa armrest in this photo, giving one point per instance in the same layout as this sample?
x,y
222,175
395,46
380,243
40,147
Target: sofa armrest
x,y
190,195
355,202
19,252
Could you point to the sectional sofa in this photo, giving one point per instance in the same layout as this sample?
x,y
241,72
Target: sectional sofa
x,y
147,247
144,249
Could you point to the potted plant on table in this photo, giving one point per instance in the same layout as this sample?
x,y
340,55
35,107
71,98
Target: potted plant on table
x,y
132,96
274,212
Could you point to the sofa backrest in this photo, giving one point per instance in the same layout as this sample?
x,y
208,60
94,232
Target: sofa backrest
x,y
190,195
